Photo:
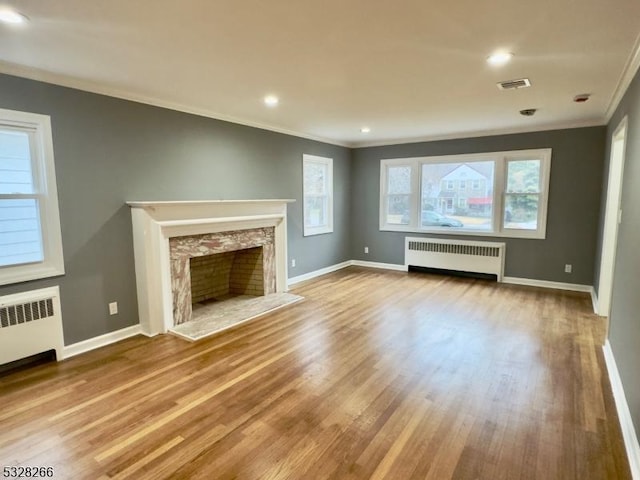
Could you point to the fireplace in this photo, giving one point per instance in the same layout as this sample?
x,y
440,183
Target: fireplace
x,y
218,276
182,246
240,262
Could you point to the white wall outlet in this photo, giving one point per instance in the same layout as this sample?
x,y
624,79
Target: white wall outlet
x,y
113,308
568,268
366,249
293,262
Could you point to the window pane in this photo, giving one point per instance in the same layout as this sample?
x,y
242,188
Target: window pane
x,y
20,238
315,178
399,179
523,176
315,211
457,195
398,210
521,211
15,163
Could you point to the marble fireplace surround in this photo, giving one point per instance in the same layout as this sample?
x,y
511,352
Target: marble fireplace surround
x,y
183,249
154,223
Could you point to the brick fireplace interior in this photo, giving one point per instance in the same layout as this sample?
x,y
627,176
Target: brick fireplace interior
x,y
221,276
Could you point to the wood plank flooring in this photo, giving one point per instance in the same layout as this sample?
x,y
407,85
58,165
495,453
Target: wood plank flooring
x,y
375,375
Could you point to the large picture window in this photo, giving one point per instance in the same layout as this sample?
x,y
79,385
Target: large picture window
x,y
494,194
317,174
30,239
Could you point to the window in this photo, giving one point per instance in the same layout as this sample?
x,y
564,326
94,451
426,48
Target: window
x,y
30,239
317,173
494,194
398,195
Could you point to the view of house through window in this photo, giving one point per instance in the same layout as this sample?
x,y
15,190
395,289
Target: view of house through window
x,y
499,193
457,195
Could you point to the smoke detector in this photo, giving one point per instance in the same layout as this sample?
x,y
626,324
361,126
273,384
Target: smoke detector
x,y
528,112
514,84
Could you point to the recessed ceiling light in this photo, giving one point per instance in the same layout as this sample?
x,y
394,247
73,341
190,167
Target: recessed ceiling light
x,y
499,58
271,100
365,129
11,16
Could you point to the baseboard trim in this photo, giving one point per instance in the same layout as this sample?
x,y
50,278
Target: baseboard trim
x,y
317,273
624,414
574,287
101,341
385,266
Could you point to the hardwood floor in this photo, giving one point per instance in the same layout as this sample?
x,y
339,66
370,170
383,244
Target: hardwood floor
x,y
375,374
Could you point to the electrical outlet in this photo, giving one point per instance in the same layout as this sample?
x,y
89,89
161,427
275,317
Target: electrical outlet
x,y
293,262
567,268
113,308
366,249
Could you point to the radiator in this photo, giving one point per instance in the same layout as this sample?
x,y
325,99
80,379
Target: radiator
x,y
30,323
458,255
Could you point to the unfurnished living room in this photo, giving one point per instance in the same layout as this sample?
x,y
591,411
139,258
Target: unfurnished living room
x,y
308,240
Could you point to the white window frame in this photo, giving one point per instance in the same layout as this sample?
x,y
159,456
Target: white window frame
x,y
501,160
44,178
328,163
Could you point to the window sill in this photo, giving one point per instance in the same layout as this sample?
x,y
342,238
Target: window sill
x,y
464,233
25,273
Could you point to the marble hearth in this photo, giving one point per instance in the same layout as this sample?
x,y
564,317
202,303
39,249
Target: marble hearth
x,y
168,235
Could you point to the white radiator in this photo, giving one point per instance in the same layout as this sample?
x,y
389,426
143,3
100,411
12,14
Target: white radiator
x,y
458,255
30,323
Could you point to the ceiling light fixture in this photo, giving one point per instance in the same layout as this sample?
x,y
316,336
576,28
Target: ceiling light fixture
x,y
499,58
11,16
271,100
365,129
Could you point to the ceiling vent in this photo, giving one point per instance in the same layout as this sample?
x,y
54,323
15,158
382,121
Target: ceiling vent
x,y
514,84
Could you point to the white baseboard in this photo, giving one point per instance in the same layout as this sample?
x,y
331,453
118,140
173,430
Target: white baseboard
x,y
339,266
385,266
317,273
101,341
574,287
624,414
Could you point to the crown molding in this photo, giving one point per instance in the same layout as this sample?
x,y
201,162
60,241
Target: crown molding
x,y
482,133
628,73
102,89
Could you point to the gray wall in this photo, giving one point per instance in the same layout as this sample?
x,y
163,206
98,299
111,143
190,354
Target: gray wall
x,y
108,151
574,202
624,329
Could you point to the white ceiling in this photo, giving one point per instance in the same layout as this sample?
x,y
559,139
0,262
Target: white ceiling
x,y
410,69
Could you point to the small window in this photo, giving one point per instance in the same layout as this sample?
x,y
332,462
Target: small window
x,y
30,239
317,173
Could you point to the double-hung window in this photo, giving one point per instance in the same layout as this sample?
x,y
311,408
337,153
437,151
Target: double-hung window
x,y
30,239
317,174
494,194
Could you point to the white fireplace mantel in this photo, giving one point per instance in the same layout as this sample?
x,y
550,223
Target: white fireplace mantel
x,y
155,222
